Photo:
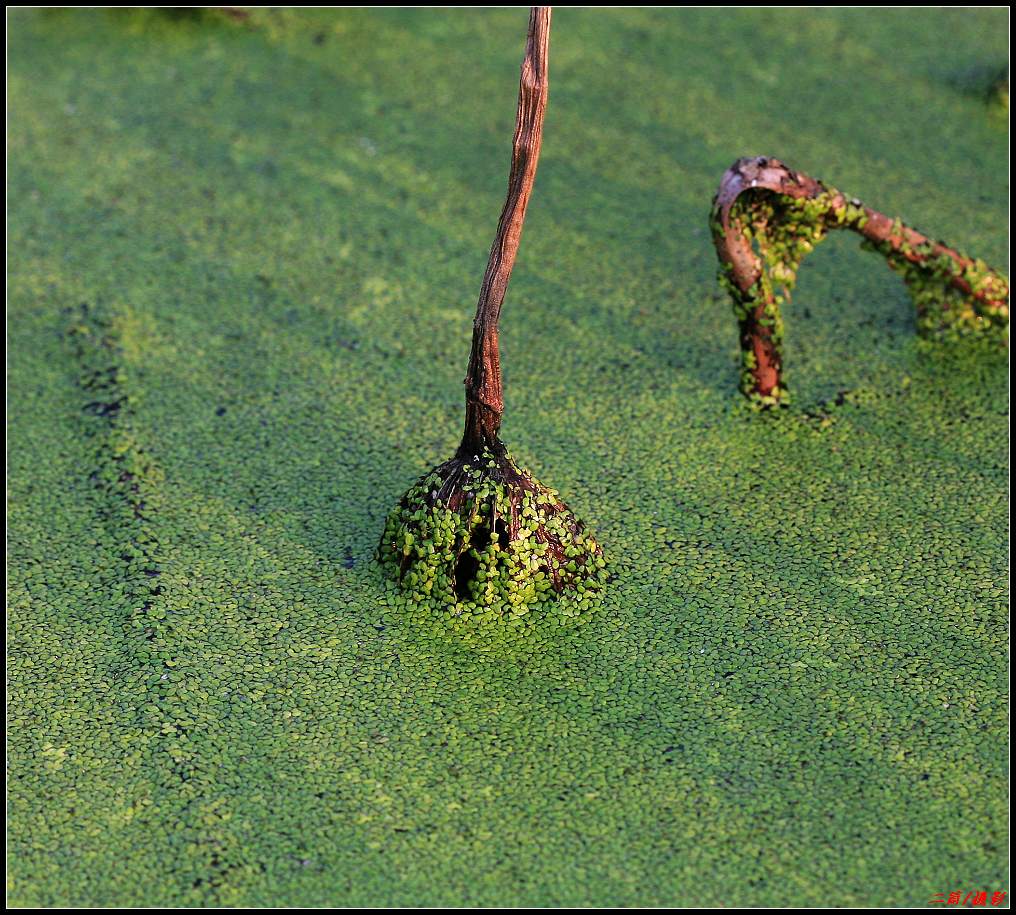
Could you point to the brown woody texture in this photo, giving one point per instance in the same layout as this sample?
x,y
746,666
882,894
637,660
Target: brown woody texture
x,y
484,394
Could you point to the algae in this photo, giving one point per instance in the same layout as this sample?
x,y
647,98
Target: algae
x,y
794,692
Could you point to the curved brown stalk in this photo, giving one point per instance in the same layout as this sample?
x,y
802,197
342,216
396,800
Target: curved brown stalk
x,y
484,395
767,216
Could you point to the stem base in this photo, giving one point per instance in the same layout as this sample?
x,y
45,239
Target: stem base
x,y
480,535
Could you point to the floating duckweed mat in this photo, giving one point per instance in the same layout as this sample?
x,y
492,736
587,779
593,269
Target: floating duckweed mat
x,y
794,692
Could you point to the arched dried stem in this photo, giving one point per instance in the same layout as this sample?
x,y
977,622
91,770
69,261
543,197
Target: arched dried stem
x,y
767,216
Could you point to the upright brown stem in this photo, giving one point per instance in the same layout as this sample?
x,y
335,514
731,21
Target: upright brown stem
x,y
484,397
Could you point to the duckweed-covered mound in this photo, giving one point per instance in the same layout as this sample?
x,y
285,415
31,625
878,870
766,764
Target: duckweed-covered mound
x,y
478,536
794,691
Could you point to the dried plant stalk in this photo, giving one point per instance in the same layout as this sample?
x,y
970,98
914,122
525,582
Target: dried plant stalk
x,y
766,217
478,535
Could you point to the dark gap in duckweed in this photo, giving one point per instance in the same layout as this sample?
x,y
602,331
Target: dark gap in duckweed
x,y
988,82
466,568
126,480
122,469
468,564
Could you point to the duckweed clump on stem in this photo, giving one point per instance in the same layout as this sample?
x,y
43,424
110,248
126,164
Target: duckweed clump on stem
x,y
767,217
478,535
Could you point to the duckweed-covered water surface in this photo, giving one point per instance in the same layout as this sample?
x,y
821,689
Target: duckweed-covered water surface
x,y
243,263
